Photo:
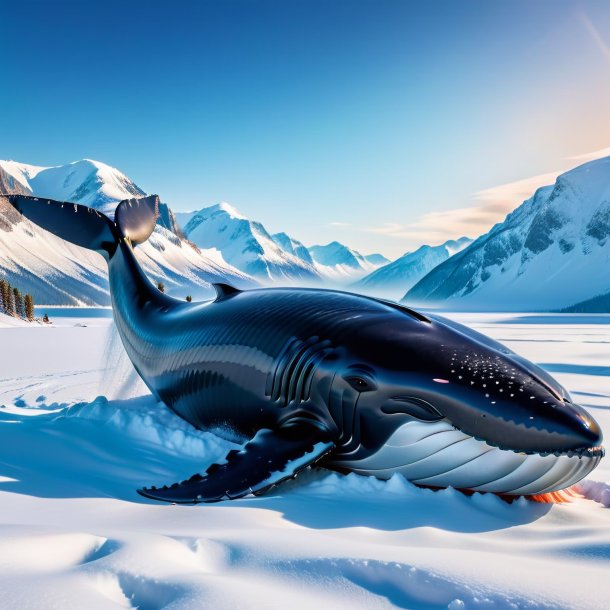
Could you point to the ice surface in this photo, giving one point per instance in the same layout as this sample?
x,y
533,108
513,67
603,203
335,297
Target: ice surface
x,y
79,432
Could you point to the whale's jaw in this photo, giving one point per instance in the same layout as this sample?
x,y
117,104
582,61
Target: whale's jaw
x,y
439,455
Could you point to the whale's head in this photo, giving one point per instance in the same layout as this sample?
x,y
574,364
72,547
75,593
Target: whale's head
x,y
447,406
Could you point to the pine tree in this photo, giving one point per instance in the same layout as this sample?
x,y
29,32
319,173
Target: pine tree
x,y
28,303
2,283
6,296
10,300
19,308
161,286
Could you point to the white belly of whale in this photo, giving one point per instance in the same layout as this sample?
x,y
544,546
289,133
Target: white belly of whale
x,y
438,455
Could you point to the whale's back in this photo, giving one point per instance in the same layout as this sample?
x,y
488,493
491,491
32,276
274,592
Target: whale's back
x,y
214,363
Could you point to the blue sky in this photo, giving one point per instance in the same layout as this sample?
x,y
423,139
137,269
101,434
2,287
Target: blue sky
x,y
375,122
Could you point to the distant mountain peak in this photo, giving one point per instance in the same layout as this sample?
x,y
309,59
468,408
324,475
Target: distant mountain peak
x,y
340,263
377,259
292,246
57,272
394,279
231,210
248,246
335,253
86,181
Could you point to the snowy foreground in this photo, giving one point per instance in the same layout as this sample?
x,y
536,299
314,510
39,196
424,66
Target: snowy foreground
x,y
78,434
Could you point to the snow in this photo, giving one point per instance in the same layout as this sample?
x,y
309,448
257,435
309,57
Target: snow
x,y
394,279
182,218
57,272
87,182
340,265
22,172
79,432
229,246
597,491
557,241
338,255
53,270
292,246
246,245
7,321
229,209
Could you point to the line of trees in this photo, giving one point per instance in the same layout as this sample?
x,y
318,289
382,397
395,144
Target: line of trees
x,y
14,303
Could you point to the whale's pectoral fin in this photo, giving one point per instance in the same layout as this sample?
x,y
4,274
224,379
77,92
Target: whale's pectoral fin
x,y
271,457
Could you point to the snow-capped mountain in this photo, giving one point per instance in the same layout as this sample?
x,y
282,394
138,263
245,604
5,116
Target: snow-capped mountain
x,y
292,246
339,263
247,245
53,270
87,182
182,218
56,272
551,253
376,259
394,279
9,184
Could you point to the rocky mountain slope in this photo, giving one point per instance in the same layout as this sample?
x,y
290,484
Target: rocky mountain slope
x,y
292,246
551,253
248,246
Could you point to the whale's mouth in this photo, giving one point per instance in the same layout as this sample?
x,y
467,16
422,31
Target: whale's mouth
x,y
439,455
584,452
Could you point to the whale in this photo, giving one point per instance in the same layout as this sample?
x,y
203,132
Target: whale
x,y
304,376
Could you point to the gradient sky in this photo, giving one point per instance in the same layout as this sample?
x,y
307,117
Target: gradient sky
x,y
372,122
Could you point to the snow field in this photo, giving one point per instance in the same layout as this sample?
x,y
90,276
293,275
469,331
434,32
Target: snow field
x,y
79,433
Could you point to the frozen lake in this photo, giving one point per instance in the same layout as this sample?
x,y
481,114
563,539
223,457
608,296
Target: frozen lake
x,y
79,432
60,313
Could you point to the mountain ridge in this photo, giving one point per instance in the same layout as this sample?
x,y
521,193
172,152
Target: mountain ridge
x,y
397,277
59,273
556,242
246,244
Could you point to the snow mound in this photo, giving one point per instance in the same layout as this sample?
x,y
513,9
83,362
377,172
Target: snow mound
x,y
11,322
146,421
595,490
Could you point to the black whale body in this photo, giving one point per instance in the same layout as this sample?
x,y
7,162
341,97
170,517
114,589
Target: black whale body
x,y
313,375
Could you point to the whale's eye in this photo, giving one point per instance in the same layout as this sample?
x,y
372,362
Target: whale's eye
x,y
360,384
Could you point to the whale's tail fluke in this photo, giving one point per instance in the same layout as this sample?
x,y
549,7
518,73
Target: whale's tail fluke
x,y
135,220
